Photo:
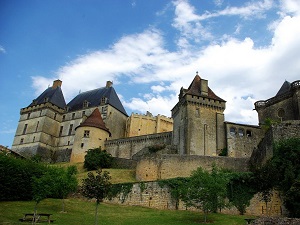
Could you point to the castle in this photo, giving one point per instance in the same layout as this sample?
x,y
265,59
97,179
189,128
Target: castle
x,y
60,131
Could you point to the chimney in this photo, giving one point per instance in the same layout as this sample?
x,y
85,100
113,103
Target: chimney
x,y
56,83
109,84
204,87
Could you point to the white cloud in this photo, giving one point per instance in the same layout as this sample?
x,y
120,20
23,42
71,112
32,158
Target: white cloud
x,y
2,50
290,6
234,67
254,8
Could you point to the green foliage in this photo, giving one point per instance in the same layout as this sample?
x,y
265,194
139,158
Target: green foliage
x,y
206,191
156,148
268,123
16,177
122,189
240,190
176,186
97,187
281,172
224,152
96,159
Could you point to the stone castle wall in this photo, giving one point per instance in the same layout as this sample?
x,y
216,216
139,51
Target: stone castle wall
x,y
127,147
284,130
152,195
171,166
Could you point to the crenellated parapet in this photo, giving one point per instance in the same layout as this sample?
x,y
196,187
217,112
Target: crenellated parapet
x,y
47,105
271,101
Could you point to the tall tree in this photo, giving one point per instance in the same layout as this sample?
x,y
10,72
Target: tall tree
x,y
206,191
97,187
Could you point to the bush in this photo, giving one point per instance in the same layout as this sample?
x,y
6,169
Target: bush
x,y
96,159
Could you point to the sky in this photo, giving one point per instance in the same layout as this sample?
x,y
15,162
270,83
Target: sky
x,y
149,49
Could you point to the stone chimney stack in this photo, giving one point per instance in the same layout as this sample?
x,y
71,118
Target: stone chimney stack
x,y
109,84
56,83
204,87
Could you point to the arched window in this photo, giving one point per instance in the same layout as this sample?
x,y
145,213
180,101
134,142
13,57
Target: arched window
x,y
232,131
241,132
249,133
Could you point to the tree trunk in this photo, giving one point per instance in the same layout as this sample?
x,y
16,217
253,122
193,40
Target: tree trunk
x,y
63,205
96,213
35,213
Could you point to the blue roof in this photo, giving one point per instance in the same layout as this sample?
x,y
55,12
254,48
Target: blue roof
x,y
52,95
94,99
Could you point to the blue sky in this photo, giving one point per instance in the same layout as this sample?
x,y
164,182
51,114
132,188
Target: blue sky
x,y
149,49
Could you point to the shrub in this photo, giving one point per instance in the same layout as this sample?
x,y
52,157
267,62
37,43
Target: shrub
x,y
96,159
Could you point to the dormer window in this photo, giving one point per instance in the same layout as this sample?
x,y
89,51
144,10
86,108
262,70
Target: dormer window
x,y
85,104
46,99
103,100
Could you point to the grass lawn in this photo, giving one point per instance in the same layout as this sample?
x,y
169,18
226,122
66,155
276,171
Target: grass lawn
x,y
81,212
117,175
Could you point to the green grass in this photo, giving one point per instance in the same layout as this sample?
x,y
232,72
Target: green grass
x,y
81,212
117,175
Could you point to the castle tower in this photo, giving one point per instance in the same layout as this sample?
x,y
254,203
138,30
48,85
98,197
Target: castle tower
x,y
285,105
91,133
38,127
198,120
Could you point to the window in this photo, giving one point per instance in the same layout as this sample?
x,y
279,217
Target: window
x,y
232,131
46,99
37,125
33,139
73,115
241,132
63,118
28,115
85,104
70,129
68,142
81,145
61,130
83,113
21,141
103,100
86,134
55,114
25,128
249,133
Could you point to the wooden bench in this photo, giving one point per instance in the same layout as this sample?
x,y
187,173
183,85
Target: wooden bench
x,y
40,217
249,220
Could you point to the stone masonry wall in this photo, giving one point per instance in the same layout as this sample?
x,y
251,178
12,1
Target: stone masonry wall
x,y
127,147
152,195
171,166
284,130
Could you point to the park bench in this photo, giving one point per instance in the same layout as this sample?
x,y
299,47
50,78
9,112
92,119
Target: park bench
x,y
40,217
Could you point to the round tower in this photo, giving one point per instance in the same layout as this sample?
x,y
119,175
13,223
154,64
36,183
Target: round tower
x,y
91,133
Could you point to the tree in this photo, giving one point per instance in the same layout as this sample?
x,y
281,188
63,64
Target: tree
x,y
41,189
281,173
206,191
96,159
240,191
63,182
97,187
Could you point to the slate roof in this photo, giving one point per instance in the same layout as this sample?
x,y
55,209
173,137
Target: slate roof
x,y
52,95
94,98
95,120
195,89
286,86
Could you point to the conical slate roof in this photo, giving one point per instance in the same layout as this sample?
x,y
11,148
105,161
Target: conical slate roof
x,y
286,86
195,89
95,120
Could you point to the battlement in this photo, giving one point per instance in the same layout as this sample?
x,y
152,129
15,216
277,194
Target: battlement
x,y
264,103
40,107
